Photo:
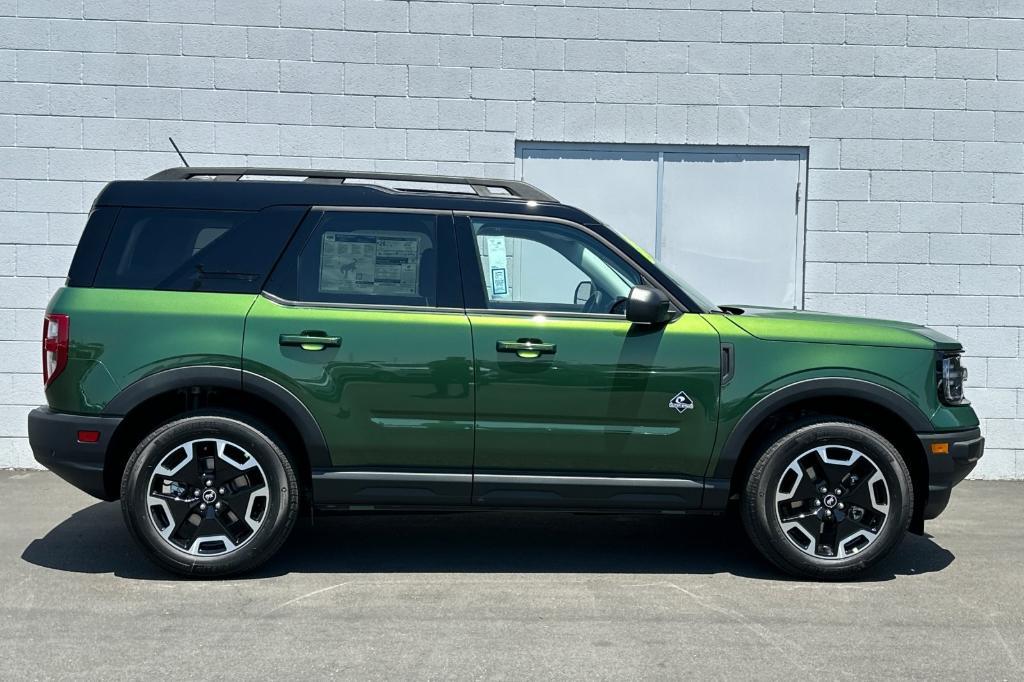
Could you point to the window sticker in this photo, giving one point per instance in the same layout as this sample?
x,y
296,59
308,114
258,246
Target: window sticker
x,y
498,285
369,264
497,258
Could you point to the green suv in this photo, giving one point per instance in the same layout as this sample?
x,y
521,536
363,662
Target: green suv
x,y
235,347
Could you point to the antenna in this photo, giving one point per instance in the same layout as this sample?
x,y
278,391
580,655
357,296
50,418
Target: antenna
x,y
178,150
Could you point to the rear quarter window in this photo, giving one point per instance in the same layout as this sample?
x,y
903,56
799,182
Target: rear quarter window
x,y
194,250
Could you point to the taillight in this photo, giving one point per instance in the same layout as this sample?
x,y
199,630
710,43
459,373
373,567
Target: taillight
x,y
55,346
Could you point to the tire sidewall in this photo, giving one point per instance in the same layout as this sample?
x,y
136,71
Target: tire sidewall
x,y
281,506
782,453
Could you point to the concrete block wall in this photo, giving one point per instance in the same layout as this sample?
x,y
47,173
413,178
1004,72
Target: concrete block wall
x,y
912,110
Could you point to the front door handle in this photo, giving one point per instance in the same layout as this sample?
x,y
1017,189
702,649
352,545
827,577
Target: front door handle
x,y
527,348
310,340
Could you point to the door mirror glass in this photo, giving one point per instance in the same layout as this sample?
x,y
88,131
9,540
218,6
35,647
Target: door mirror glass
x,y
647,305
583,292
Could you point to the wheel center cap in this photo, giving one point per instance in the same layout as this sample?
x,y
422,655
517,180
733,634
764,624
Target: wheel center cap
x,y
209,496
830,501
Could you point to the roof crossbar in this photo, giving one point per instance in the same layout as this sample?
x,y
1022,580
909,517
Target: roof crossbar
x,y
484,187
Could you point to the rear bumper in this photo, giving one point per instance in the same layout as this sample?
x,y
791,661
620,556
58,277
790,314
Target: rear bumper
x,y
53,437
946,470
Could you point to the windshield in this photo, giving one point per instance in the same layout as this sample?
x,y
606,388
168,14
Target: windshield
x,y
698,298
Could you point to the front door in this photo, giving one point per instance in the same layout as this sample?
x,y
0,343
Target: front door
x,y
363,321
575,406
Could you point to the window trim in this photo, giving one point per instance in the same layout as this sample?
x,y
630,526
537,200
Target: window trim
x,y
315,216
475,296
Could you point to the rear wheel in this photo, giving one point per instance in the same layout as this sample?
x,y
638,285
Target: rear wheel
x,y
827,499
210,494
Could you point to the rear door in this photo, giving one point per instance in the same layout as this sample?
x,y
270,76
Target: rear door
x,y
363,321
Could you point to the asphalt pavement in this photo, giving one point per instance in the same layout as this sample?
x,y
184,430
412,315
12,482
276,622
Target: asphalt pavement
x,y
507,596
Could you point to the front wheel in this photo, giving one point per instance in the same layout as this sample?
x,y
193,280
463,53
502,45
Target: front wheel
x,y
827,499
210,494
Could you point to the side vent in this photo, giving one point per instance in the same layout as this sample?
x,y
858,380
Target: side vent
x,y
728,362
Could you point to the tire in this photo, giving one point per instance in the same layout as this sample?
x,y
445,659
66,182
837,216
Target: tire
x,y
211,494
827,535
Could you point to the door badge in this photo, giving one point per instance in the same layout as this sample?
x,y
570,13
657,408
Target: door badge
x,y
681,402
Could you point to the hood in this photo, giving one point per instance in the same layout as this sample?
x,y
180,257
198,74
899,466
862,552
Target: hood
x,y
781,324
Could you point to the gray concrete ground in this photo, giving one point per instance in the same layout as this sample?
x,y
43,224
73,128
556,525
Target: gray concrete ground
x,y
505,596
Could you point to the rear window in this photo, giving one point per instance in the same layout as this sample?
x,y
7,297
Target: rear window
x,y
194,250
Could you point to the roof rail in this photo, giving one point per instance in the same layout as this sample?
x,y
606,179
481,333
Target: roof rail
x,y
484,187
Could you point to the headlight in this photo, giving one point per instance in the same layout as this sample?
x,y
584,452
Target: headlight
x,y
951,378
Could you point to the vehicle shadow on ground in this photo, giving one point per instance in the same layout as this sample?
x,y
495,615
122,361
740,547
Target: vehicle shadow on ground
x,y
95,540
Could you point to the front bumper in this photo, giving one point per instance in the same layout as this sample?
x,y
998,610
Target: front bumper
x,y
948,469
53,437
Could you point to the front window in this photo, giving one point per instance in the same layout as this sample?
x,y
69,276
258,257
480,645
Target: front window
x,y
534,265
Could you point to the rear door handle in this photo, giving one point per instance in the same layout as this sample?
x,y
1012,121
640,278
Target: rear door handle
x,y
527,348
310,340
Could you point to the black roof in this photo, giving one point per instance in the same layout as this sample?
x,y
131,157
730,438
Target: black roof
x,y
250,189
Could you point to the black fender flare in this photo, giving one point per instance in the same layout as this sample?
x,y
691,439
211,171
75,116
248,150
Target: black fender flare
x,y
825,387
233,378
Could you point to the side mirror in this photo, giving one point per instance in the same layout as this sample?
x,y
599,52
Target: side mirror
x,y
583,291
647,305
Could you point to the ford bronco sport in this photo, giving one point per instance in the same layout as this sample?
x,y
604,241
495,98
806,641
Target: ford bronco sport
x,y
232,349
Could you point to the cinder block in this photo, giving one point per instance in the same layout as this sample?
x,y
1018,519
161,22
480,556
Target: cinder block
x,y
780,59
812,91
753,90
442,145
470,51
1007,311
633,88
595,55
320,77
670,88
1002,372
870,154
502,84
671,123
874,92
991,342
840,123
928,279
871,216
990,280
930,217
1006,34
213,41
936,31
182,11
26,34
148,102
843,60
431,81
409,48
964,187
375,143
995,95
992,218
531,53
376,79
933,155
691,26
181,72
42,66
147,38
866,278
24,292
733,125
966,125
764,126
115,133
717,58
344,46
253,13
493,146
960,63
960,248
641,123
115,69
566,22
506,20
548,122
822,215
49,131
246,74
840,304
312,13
213,105
311,141
376,15
1010,65
406,112
956,310
247,138
441,17
901,186
627,24
901,307
816,28
905,61
1009,126
870,29
1008,189
38,260
656,57
280,43
897,124
81,100
610,122
279,107
891,247
820,278
839,247
752,27
26,227
128,10
79,164
1000,157
72,35
471,114
563,86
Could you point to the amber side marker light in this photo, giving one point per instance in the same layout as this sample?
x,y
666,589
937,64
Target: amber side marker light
x,y
88,436
940,448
